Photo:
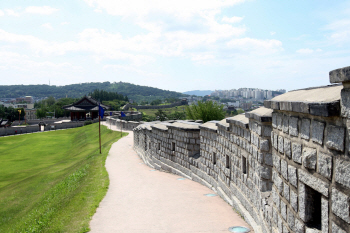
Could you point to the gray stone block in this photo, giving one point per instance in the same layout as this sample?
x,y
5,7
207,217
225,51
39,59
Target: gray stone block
x,y
299,226
264,145
285,125
324,214
275,141
280,144
284,169
290,219
309,158
274,120
317,129
283,210
286,191
292,176
337,229
305,129
287,148
340,205
324,165
277,162
335,137
342,172
293,126
279,121
293,200
268,159
313,182
296,152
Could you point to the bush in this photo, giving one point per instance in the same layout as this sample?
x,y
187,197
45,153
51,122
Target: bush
x,y
205,111
87,122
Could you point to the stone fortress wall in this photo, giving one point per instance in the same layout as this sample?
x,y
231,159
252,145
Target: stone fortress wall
x,y
285,167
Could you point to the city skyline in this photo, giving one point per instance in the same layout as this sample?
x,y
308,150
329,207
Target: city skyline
x,y
174,45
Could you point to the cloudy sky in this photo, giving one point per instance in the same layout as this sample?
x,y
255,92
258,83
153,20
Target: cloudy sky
x,y
177,45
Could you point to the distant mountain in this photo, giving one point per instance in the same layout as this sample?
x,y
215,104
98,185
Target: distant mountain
x,y
198,92
134,92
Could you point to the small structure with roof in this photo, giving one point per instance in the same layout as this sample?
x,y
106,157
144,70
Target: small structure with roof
x,y
84,109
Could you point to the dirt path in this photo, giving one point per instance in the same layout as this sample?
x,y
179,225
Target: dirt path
x,y
140,199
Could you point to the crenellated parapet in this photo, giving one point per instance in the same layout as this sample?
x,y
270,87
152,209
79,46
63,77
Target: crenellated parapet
x,y
285,167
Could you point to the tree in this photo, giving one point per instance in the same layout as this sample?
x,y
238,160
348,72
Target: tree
x,y
205,111
161,115
41,113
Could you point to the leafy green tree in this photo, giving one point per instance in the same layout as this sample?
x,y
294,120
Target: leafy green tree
x,y
41,113
177,116
50,101
156,102
161,115
205,111
147,118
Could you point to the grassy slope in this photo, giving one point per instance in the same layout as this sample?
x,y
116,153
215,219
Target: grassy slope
x,y
53,181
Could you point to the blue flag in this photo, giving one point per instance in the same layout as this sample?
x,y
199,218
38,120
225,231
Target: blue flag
x,y
122,114
101,111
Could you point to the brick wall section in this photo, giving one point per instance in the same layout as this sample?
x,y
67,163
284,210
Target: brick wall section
x,y
285,167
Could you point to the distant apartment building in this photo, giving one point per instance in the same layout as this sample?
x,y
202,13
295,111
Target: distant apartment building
x,y
248,93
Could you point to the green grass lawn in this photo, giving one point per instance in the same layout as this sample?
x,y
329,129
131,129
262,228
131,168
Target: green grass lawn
x,y
53,181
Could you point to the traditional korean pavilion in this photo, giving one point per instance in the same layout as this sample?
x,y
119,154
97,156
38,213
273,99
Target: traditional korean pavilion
x,y
84,109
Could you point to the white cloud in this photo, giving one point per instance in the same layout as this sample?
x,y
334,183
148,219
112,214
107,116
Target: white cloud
x,y
47,26
272,33
305,51
65,23
42,10
11,12
234,19
255,45
2,13
179,8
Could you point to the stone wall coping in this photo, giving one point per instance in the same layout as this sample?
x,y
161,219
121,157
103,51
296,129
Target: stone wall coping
x,y
210,125
340,75
161,126
185,125
318,101
240,120
223,124
261,114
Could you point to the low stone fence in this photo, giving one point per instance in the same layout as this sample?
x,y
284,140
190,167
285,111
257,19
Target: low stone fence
x,y
285,167
36,128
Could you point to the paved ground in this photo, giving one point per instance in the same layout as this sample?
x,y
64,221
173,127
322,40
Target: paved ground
x,y
140,199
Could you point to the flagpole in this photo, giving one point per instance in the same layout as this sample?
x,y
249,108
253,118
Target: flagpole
x,y
99,129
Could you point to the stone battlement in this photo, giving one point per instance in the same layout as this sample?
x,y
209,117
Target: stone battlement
x,y
285,167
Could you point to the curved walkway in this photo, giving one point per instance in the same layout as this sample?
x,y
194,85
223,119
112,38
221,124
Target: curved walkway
x,y
140,199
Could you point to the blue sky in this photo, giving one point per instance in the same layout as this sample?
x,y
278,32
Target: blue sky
x,y
177,45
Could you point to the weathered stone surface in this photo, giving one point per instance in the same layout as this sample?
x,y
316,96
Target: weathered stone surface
x,y
342,172
303,199
280,144
337,229
293,126
279,121
309,157
296,152
340,205
294,200
287,149
299,226
290,219
317,129
285,125
305,128
268,159
313,182
274,120
264,145
277,162
275,141
324,165
340,75
286,191
324,214
284,169
283,210
292,175
335,137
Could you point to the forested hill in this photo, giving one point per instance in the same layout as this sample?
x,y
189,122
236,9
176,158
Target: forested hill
x,y
135,92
